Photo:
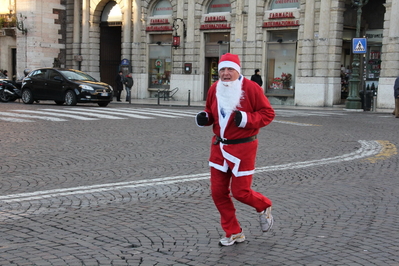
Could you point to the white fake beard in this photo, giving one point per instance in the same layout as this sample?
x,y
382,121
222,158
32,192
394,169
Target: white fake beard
x,y
229,95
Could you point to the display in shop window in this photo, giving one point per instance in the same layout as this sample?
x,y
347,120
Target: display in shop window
x,y
282,82
374,64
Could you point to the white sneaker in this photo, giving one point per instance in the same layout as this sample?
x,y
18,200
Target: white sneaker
x,y
266,219
228,241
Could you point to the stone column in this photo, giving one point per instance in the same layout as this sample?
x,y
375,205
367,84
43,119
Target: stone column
x,y
306,42
389,56
127,29
76,34
85,46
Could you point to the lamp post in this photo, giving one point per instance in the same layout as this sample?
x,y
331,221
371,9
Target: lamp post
x,y
176,37
353,100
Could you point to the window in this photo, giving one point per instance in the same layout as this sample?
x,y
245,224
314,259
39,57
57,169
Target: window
x,y
163,7
276,4
160,66
219,6
281,58
39,74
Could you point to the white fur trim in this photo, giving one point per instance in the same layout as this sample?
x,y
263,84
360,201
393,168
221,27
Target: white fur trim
x,y
229,64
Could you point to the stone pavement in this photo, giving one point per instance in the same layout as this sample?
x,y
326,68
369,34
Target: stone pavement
x,y
136,192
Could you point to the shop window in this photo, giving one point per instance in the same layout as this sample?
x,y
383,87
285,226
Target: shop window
x,y
281,58
160,66
162,8
219,6
277,4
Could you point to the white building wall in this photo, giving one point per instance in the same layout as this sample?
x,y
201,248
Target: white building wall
x,y
318,54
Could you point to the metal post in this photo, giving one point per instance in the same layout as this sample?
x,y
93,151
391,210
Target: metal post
x,y
353,100
189,92
158,96
374,103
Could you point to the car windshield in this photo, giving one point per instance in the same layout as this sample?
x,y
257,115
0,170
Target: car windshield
x,y
72,75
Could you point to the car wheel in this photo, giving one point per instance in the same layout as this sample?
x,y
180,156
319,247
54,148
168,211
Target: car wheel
x,y
59,102
4,97
70,98
103,104
27,96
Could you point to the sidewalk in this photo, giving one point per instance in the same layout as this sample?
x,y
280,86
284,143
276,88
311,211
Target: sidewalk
x,y
162,102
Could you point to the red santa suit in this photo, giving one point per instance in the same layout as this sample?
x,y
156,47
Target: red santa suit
x,y
232,165
257,112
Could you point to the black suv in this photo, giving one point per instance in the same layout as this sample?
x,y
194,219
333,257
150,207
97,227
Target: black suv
x,y
67,86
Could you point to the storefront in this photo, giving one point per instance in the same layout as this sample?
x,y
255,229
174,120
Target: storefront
x,y
216,28
372,60
281,25
160,48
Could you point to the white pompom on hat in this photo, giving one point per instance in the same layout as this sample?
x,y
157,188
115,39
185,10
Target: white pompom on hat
x,y
230,60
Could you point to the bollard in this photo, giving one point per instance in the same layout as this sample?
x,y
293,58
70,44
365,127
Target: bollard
x,y
374,103
189,92
158,95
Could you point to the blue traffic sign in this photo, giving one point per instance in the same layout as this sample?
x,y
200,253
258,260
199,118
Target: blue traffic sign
x,y
359,45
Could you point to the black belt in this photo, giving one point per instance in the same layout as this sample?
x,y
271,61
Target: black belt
x,y
234,141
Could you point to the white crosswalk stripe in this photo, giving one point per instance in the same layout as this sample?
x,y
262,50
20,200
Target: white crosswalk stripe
x,y
10,119
56,114
90,114
32,116
292,113
153,112
82,111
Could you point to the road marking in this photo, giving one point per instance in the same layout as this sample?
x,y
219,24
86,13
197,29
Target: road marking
x,y
55,114
388,150
295,123
82,111
9,119
175,112
146,112
34,116
367,149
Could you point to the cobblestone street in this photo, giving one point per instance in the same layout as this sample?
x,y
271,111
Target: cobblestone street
x,y
135,191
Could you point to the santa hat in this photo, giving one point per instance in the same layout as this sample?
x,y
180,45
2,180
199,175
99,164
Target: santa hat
x,y
230,60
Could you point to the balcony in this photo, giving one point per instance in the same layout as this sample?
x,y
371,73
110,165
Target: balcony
x,y
8,24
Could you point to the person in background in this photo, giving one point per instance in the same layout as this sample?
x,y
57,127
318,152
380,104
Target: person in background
x,y
257,78
236,108
119,85
128,85
396,95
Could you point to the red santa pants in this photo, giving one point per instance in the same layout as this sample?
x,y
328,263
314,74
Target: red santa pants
x,y
240,187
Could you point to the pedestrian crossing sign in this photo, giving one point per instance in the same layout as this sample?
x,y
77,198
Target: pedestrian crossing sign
x,y
359,45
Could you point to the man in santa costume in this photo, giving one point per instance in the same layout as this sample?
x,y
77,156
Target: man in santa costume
x,y
237,108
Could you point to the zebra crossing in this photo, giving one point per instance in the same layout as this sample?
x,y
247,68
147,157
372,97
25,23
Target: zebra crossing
x,y
86,114
91,114
301,113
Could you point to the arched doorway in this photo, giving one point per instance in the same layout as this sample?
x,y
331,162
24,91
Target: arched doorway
x,y
110,42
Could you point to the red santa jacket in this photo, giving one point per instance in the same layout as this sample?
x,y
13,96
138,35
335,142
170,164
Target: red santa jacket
x,y
257,112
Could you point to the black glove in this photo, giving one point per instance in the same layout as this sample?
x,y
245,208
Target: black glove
x,y
202,120
238,118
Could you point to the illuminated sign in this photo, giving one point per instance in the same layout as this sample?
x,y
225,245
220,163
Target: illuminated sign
x,y
159,28
218,26
159,21
281,15
283,23
215,18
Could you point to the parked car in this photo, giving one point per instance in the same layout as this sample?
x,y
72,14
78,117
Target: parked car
x,y
67,86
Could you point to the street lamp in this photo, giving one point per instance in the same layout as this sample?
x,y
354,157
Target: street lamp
x,y
353,100
176,37
20,24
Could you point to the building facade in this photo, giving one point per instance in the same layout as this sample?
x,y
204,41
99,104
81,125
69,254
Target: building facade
x,y
299,46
